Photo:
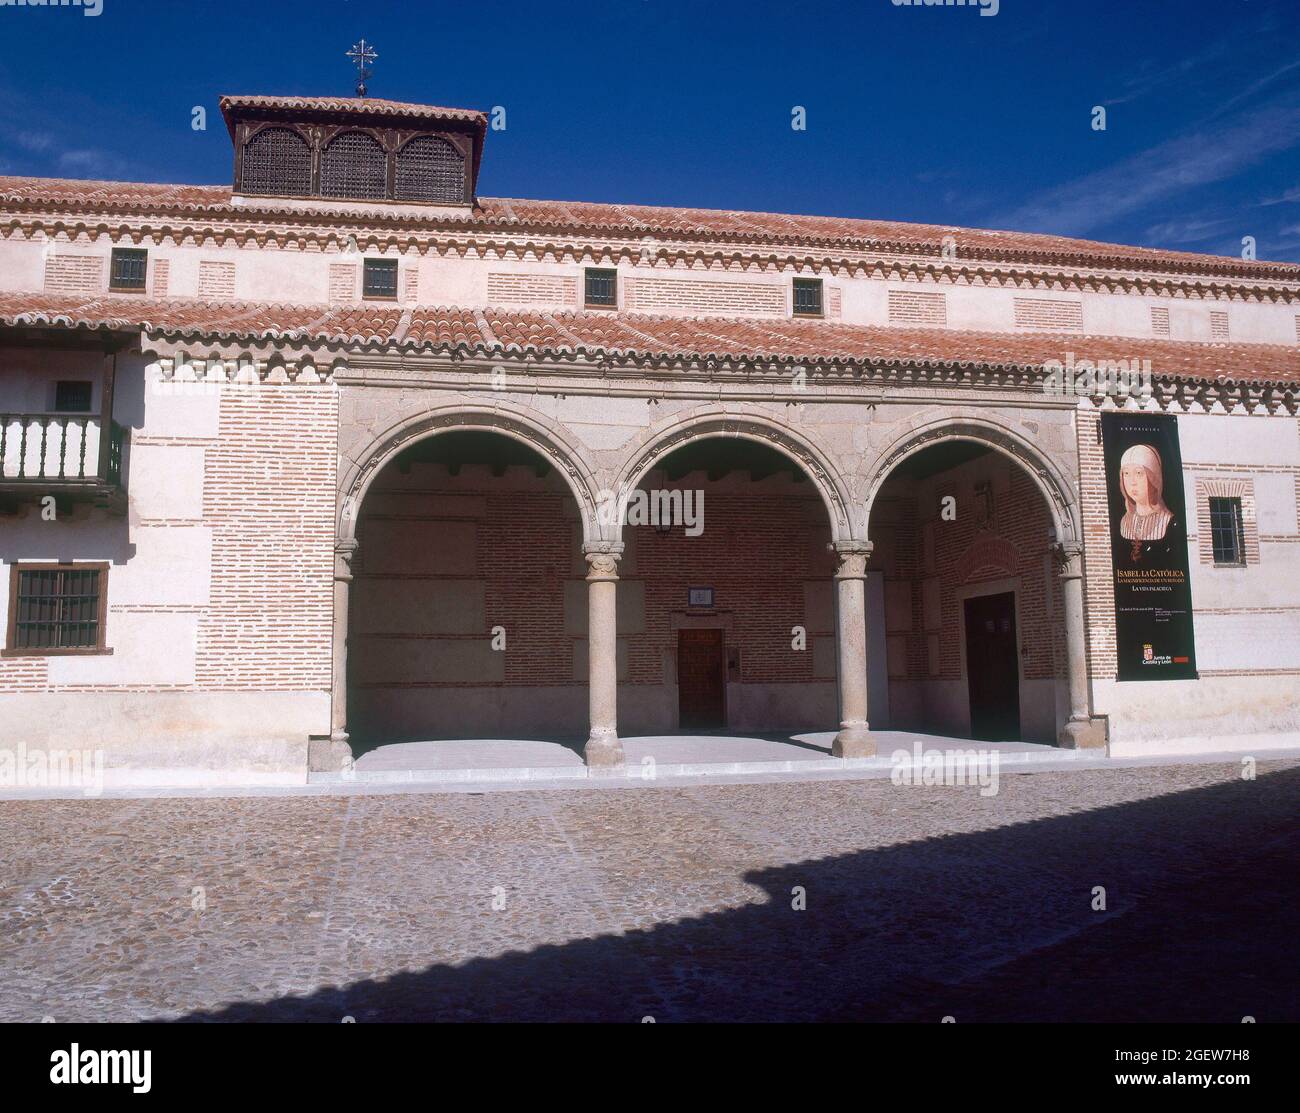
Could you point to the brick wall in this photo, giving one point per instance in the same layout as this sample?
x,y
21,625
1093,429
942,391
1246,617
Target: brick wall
x,y
343,282
513,541
917,545
915,307
1048,314
1243,489
521,288
702,295
162,271
216,280
269,500
761,544
1098,570
74,274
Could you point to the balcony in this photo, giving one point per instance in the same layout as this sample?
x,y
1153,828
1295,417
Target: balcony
x,y
64,455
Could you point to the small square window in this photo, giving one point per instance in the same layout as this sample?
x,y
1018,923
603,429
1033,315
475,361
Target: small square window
x,y
73,396
807,297
380,279
128,268
602,288
57,608
1227,537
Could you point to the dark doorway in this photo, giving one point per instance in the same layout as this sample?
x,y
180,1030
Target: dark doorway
x,y
701,679
993,668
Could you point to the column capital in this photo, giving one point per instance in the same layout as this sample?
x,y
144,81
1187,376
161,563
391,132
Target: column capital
x,y
851,559
602,558
1069,559
344,550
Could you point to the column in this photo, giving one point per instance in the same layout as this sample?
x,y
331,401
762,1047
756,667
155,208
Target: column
x,y
1078,732
338,752
603,749
854,738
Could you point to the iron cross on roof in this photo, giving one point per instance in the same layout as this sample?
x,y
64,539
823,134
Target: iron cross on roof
x,y
362,54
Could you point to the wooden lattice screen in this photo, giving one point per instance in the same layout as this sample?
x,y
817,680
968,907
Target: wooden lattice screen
x,y
277,160
353,165
430,169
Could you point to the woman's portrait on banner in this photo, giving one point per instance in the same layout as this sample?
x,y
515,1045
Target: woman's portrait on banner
x,y
1147,533
1141,479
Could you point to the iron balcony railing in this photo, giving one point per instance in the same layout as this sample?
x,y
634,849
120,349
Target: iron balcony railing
x,y
51,447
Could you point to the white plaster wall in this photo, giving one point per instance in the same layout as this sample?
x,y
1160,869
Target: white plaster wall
x,y
302,277
172,738
1206,715
22,265
1238,440
1246,619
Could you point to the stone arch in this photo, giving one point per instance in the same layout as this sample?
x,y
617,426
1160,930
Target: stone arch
x,y
544,438
1054,485
754,427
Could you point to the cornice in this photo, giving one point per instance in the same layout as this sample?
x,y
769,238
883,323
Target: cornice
x,y
869,383
281,226
685,258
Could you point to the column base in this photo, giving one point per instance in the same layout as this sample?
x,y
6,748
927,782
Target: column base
x,y
329,755
854,740
603,752
1083,734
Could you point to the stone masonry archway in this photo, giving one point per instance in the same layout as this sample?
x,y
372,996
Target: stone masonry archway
x,y
816,464
844,563
1057,489
359,473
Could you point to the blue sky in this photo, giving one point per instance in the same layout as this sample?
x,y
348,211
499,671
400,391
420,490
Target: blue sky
x,y
930,114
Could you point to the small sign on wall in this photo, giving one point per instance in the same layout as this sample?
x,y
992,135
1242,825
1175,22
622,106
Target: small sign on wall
x,y
699,597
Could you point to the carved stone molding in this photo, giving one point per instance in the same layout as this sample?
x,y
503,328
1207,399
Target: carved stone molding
x,y
760,428
1055,488
1068,556
851,559
603,558
344,550
550,447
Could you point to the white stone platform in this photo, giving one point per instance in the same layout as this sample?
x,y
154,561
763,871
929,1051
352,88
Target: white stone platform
x,y
480,760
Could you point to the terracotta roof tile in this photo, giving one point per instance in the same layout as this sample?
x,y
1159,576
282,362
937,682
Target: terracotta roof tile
x,y
361,106
490,330
816,233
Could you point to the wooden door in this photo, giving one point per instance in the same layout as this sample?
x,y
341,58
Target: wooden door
x,y
993,667
701,679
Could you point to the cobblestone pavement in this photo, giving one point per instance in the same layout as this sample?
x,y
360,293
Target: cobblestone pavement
x,y
672,902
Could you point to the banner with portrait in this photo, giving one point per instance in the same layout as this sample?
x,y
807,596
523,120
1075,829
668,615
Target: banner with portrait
x,y
1148,535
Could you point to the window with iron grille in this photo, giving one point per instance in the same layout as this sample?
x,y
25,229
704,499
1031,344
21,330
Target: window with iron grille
x,y
602,288
354,165
73,396
430,169
807,297
379,279
1227,537
57,608
128,268
277,161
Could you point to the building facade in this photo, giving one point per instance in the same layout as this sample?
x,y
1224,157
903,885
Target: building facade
x,y
348,454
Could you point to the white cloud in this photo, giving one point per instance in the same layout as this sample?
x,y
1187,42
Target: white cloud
x,y
1161,173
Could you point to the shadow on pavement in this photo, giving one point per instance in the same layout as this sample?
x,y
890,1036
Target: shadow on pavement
x,y
1202,923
